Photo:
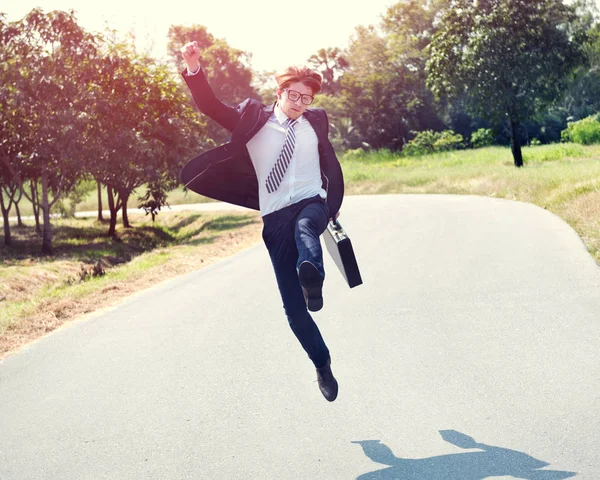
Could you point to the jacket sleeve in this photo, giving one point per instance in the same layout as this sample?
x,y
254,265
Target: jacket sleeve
x,y
206,101
331,168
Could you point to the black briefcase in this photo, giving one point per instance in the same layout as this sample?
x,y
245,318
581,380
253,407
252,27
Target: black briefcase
x,y
339,247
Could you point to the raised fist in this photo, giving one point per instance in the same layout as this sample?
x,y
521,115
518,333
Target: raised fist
x,y
191,54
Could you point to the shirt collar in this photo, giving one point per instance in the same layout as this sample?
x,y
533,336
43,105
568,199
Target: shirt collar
x,y
282,117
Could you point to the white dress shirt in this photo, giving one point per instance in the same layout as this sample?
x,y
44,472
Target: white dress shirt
x,y
302,178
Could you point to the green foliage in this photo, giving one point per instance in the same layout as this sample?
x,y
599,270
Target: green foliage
x,y
509,58
46,61
331,63
154,198
78,105
384,85
343,133
582,95
429,141
584,132
144,139
265,84
483,137
421,144
448,140
67,206
549,125
386,95
477,41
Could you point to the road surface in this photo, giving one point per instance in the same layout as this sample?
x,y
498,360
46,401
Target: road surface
x,y
471,351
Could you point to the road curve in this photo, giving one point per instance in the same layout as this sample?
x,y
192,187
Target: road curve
x,y
470,352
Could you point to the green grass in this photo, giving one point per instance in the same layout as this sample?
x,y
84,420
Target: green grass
x,y
438,173
547,168
564,178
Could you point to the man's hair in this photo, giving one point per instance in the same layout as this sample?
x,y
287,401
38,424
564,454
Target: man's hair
x,y
303,74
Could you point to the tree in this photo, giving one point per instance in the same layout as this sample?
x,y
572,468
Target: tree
x,y
331,63
582,95
384,85
369,85
140,127
51,54
9,187
510,58
13,122
226,68
265,84
410,25
342,132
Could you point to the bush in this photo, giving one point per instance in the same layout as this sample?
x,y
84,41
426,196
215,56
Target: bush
x,y
429,141
585,131
448,140
482,138
421,144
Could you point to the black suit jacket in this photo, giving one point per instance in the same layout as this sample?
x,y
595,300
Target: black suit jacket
x,y
226,172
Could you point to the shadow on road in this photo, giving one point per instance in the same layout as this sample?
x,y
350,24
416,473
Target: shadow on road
x,y
489,461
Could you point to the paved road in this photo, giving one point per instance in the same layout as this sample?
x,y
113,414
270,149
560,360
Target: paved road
x,y
471,352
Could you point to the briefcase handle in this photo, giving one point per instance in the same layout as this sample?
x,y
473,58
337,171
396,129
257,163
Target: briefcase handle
x,y
336,224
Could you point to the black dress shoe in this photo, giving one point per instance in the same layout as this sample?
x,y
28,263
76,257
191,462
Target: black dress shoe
x,y
311,282
327,382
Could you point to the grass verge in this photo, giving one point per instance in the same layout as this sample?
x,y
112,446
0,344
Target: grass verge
x,y
563,178
90,271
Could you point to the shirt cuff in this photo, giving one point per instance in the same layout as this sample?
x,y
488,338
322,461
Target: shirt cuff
x,y
190,73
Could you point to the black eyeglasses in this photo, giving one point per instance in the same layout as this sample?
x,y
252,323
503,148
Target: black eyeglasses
x,y
293,95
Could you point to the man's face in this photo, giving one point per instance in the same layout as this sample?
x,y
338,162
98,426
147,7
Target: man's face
x,y
293,109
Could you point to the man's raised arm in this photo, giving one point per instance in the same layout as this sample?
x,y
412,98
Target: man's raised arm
x,y
204,98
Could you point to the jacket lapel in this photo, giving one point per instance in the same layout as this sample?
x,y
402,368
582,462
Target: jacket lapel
x,y
263,117
315,123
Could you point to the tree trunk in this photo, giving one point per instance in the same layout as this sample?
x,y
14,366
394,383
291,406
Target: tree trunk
x,y
45,206
36,207
112,229
516,143
18,210
5,212
7,237
100,217
126,223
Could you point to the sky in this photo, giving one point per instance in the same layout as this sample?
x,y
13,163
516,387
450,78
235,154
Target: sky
x,y
276,33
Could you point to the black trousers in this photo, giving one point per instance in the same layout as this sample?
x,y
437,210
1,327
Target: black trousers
x,y
291,236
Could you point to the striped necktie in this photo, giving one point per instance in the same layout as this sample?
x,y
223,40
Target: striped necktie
x,y
278,171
